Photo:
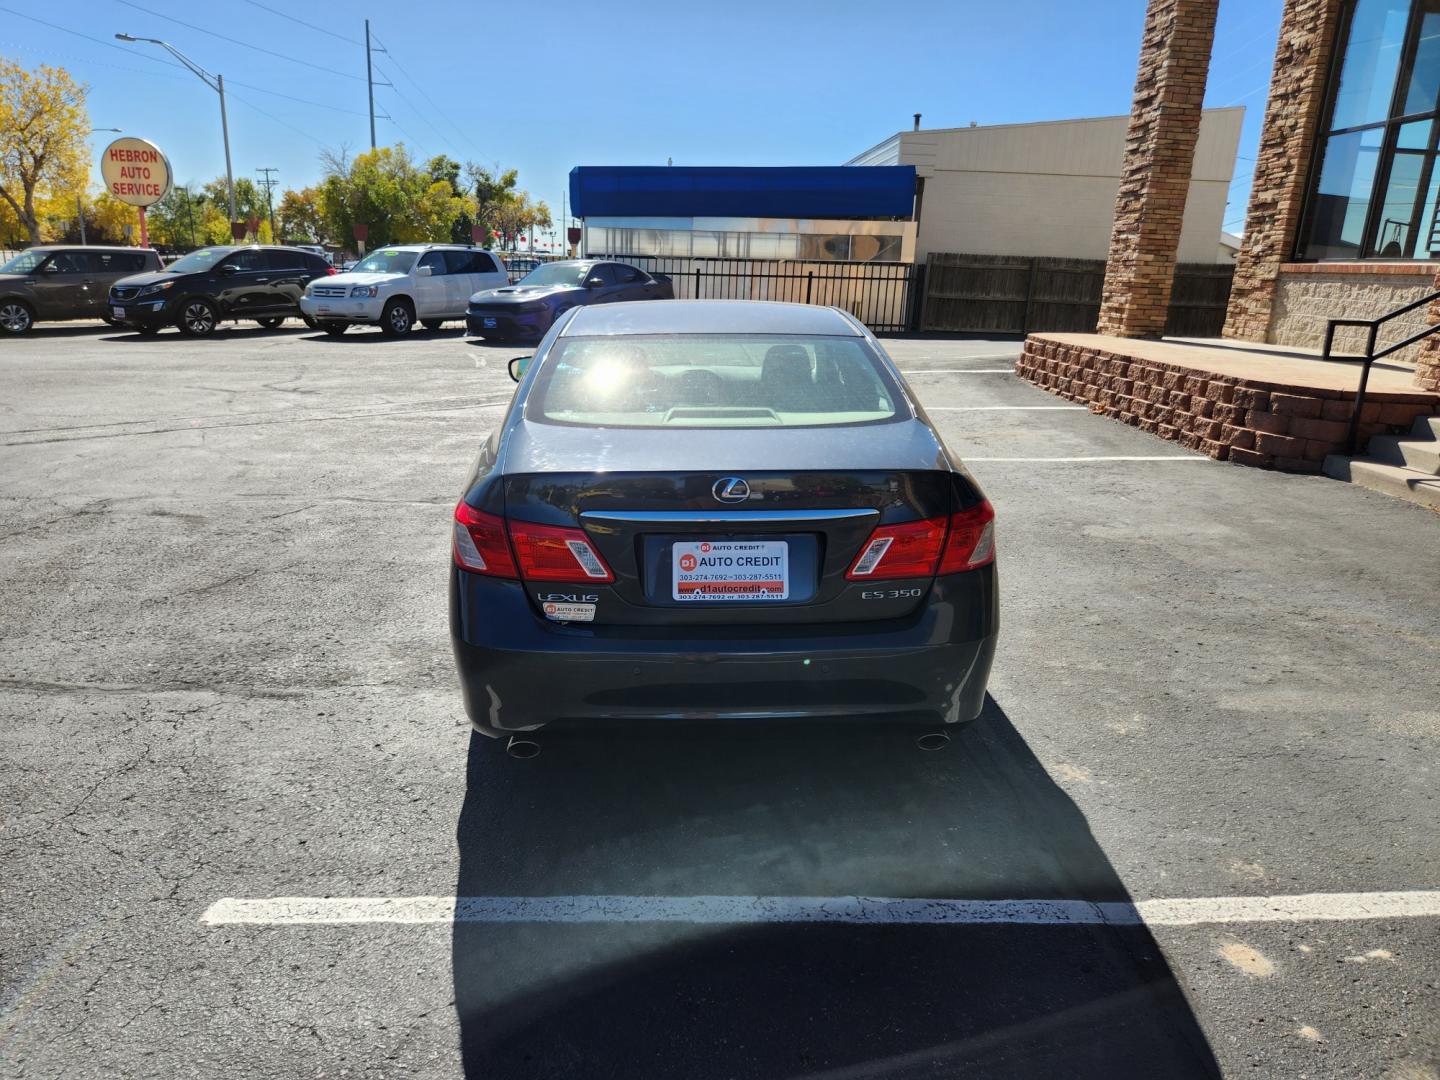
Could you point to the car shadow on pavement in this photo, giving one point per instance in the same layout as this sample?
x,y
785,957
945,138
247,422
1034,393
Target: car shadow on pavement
x,y
810,813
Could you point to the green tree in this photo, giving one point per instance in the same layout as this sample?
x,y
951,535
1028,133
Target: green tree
x,y
494,192
385,190
300,218
249,198
178,220
516,217
43,125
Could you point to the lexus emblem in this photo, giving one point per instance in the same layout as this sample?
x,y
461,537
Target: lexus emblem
x,y
731,489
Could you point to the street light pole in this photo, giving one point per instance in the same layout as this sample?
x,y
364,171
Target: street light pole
x,y
216,83
225,132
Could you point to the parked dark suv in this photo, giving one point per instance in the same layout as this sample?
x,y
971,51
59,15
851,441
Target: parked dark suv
x,y
54,282
198,290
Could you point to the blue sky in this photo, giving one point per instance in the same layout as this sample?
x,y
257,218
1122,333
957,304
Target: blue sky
x,y
543,87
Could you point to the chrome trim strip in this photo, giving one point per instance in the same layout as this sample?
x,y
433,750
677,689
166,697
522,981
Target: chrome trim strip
x,y
722,517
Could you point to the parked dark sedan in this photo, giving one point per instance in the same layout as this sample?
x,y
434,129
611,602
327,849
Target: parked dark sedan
x,y
719,510
198,290
532,305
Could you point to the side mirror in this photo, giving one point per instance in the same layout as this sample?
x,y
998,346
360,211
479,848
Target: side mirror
x,y
595,283
518,366
424,271
50,268
229,268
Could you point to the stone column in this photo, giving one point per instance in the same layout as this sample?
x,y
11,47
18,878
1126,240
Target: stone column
x,y
1159,155
1282,166
1427,359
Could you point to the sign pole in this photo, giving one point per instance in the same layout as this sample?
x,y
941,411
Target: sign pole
x,y
144,231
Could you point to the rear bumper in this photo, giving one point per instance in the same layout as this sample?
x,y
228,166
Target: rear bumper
x,y
518,671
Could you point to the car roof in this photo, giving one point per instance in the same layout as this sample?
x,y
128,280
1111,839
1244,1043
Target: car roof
x,y
87,247
425,247
709,317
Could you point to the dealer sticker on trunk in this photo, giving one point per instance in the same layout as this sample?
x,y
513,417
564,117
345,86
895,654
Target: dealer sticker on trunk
x,y
558,612
730,570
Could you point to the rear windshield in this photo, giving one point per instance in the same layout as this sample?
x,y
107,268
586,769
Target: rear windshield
x,y
720,380
386,261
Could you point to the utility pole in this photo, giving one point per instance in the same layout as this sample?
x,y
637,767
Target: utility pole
x,y
370,82
190,214
268,183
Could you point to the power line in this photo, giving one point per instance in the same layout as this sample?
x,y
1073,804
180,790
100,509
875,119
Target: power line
x,y
271,116
418,112
76,59
95,40
243,44
302,22
291,97
433,104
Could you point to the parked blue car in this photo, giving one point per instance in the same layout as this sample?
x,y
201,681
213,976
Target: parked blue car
x,y
529,307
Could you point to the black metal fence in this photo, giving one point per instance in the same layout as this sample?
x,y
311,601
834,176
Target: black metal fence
x,y
1016,295
879,294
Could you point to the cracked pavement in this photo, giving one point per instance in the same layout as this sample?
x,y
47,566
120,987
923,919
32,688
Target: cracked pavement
x,y
226,673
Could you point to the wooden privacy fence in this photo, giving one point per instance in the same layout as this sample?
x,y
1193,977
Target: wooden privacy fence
x,y
1017,295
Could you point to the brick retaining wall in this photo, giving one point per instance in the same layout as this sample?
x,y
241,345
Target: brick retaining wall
x,y
1248,421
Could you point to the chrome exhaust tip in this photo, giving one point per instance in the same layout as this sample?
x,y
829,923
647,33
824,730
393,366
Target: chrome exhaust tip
x,y
521,748
933,740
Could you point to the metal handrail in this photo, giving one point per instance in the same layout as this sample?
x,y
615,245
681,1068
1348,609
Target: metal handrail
x,y
1373,325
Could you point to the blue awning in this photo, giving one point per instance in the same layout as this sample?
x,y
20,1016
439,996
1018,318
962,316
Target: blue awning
x,y
820,191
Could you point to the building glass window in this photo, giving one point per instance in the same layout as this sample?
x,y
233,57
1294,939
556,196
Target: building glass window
x,y
1374,189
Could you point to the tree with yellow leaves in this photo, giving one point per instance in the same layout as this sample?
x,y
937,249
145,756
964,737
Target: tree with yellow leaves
x,y
43,125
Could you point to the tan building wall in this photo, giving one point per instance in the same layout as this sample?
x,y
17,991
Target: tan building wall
x,y
1306,297
1049,188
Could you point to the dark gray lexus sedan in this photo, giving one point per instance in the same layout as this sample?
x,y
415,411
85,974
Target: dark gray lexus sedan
x,y
719,510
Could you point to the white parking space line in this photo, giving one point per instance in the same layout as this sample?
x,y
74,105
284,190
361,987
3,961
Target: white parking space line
x,y
1006,408
1117,457
907,361
1307,907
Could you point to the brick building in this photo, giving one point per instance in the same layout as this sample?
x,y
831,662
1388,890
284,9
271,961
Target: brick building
x,y
1343,222
1344,215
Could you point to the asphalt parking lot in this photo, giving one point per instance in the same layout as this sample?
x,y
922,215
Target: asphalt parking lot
x,y
226,677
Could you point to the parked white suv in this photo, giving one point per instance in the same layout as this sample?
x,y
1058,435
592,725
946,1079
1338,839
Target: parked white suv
x,y
395,287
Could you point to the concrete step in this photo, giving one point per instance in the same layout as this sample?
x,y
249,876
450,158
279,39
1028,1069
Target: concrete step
x,y
1421,454
1396,480
1426,427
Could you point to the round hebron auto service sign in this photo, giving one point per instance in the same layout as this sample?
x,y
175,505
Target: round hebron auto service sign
x,y
135,171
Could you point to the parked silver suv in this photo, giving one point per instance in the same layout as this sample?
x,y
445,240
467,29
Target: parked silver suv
x,y
398,285
56,282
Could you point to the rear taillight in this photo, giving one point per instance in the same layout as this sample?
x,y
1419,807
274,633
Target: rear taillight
x,y
972,539
330,270
900,551
964,542
480,543
548,553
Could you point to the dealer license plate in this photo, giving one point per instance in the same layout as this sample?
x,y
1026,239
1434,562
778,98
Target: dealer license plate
x,y
488,324
118,312
730,570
